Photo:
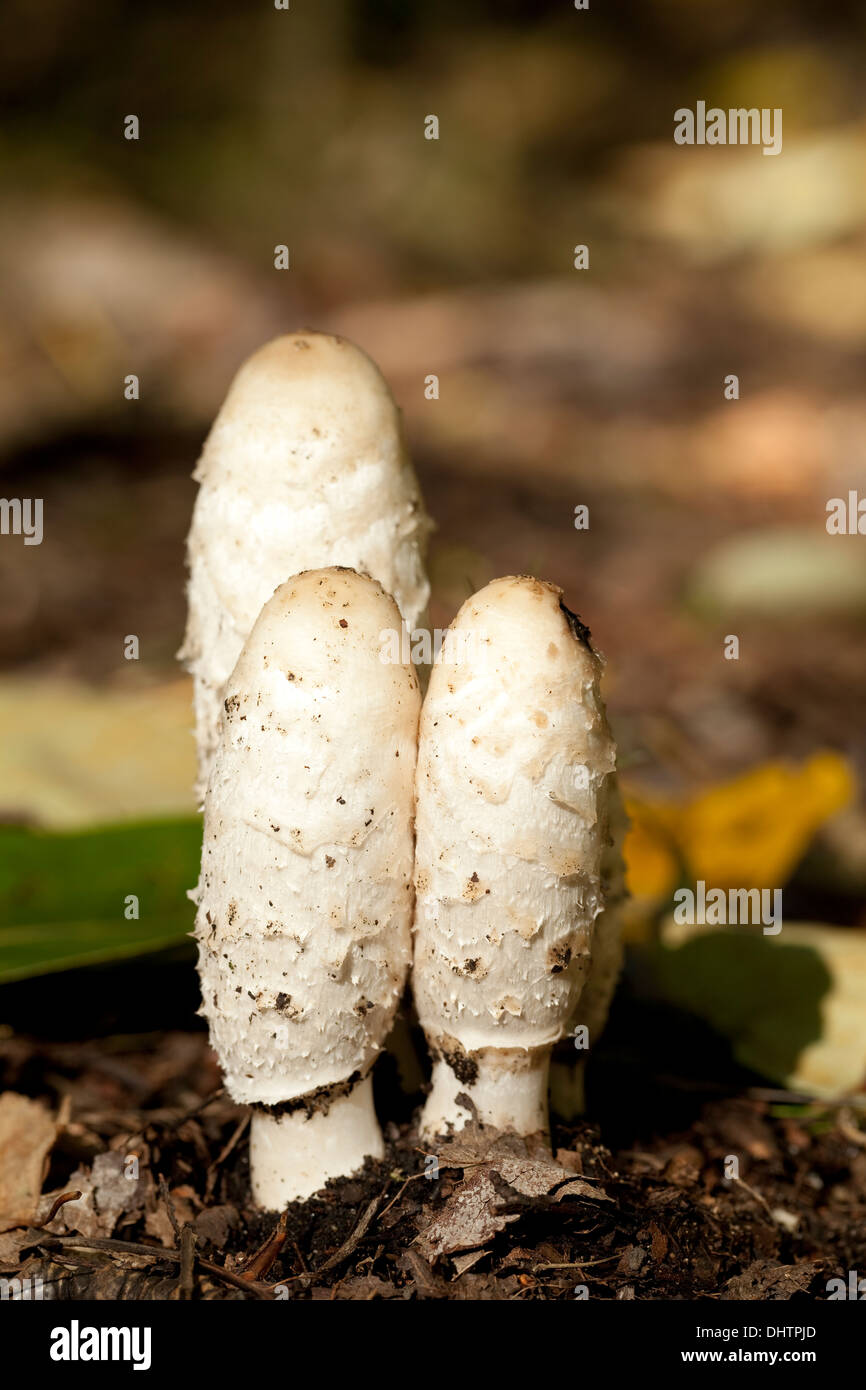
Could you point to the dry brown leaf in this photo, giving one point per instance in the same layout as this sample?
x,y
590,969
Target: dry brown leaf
x,y
27,1133
579,1187
567,1158
532,1177
108,1191
471,1217
11,1245
464,1262
765,1280
157,1223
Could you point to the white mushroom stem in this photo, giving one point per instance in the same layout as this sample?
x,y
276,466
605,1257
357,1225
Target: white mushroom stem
x,y
305,466
506,1086
312,1147
305,895
514,762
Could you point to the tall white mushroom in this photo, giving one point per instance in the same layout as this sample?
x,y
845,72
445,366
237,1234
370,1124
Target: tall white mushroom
x,y
514,768
305,894
305,466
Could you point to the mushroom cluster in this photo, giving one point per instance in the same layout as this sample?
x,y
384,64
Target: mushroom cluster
x,y
342,818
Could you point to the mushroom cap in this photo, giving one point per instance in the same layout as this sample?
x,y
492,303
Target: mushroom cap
x,y
514,752
305,895
305,466
318,392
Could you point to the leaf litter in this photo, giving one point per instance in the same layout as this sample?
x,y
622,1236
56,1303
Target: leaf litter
x,y
500,1219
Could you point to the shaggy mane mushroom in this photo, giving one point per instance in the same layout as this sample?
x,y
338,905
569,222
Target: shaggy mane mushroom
x,y
305,894
514,778
305,466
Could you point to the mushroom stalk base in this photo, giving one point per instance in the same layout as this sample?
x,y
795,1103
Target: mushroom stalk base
x,y
292,1156
509,1092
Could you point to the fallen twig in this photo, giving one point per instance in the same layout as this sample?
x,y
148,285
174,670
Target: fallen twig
x,y
155,1254
186,1282
350,1245
169,1206
58,1202
261,1262
210,1182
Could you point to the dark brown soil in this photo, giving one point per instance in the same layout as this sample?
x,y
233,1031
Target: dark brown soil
x,y
654,1218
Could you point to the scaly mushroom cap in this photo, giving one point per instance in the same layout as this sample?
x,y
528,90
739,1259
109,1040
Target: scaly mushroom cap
x,y
514,757
305,466
305,895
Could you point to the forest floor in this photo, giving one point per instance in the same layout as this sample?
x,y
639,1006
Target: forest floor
x,y
487,1217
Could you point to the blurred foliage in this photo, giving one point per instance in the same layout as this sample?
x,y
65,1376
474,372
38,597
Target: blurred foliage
x,y
63,896
751,831
791,1006
83,756
764,997
310,119
754,830
783,573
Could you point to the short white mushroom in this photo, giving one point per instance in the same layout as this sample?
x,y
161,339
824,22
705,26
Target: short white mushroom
x,y
514,765
305,466
305,895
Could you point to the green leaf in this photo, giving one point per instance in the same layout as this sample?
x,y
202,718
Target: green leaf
x,y
764,996
63,896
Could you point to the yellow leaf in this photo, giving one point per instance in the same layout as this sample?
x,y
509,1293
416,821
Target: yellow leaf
x,y
83,756
651,861
751,832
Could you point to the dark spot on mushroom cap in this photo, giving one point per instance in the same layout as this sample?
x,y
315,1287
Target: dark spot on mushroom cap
x,y
579,629
558,959
343,623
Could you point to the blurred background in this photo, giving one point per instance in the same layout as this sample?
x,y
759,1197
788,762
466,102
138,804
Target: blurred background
x,y
559,387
